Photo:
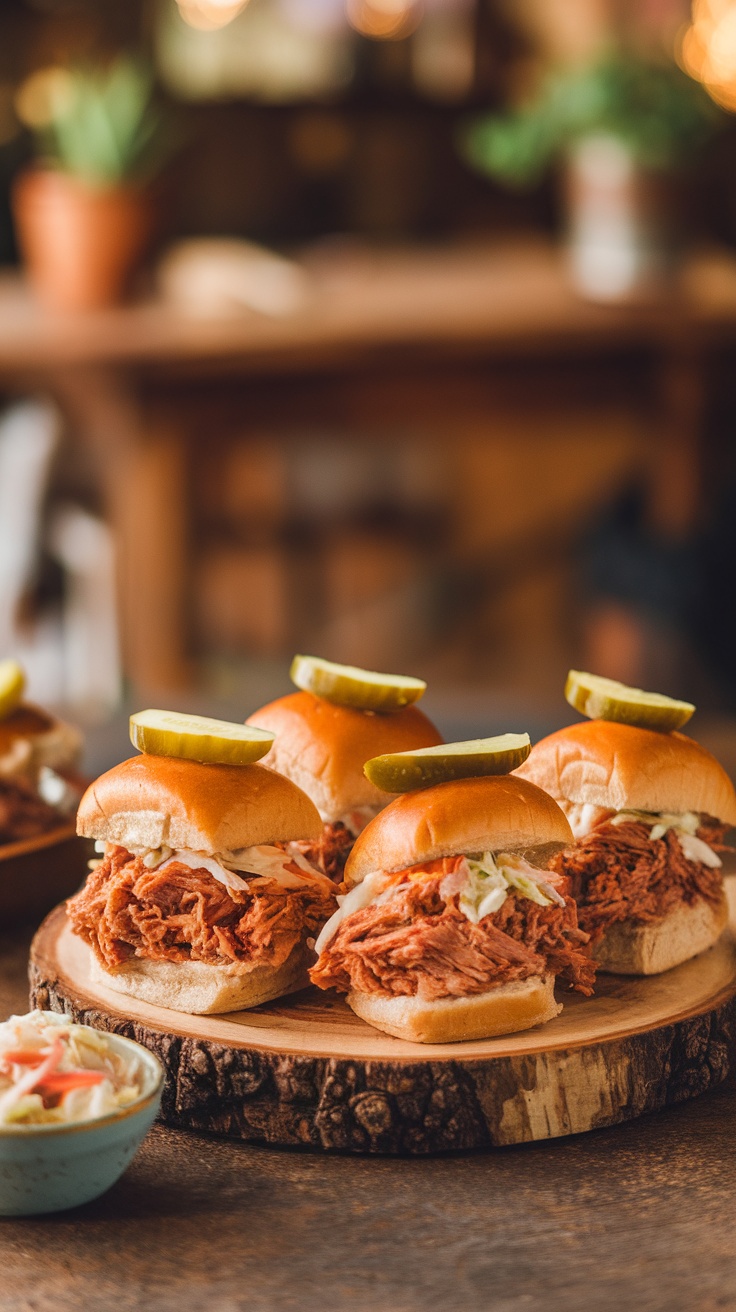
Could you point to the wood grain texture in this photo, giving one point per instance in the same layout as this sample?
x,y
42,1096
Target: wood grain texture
x,y
305,1072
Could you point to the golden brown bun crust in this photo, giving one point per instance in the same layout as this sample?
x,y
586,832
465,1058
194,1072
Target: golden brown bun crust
x,y
623,767
153,800
323,748
628,948
499,812
503,1010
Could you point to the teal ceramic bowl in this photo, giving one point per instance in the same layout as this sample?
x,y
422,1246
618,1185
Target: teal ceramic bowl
x,y
48,1168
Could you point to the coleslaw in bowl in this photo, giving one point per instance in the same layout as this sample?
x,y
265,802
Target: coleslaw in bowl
x,y
75,1105
55,1072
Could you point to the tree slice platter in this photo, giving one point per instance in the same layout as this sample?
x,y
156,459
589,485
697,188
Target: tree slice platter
x,y
304,1071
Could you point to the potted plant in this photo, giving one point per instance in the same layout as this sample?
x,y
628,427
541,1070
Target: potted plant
x,y
83,211
624,127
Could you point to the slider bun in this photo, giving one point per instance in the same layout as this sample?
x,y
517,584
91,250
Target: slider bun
x,y
628,948
623,767
202,989
33,738
323,748
149,801
496,813
503,1010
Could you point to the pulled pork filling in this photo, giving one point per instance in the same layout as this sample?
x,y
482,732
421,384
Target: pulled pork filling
x,y
330,851
176,913
417,941
618,872
23,814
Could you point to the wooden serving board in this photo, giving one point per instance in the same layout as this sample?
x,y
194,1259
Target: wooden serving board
x,y
305,1071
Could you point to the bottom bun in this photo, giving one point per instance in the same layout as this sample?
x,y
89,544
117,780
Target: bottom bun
x,y
630,949
503,1010
201,989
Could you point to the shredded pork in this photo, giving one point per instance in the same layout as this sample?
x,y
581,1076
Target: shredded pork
x,y
330,851
419,942
23,814
619,873
178,914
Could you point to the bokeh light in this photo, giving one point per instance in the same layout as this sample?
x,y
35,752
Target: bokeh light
x,y
208,15
384,20
44,96
708,51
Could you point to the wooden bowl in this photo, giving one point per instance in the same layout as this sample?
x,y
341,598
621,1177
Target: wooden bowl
x,y
37,872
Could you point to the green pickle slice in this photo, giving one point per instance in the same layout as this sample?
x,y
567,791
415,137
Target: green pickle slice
x,y
361,690
402,772
12,684
197,738
606,699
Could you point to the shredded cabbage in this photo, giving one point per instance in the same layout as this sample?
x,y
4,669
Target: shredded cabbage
x,y
484,883
53,1071
262,863
491,879
685,825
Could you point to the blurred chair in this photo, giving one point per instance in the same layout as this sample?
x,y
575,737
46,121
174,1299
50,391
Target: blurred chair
x,y
29,434
84,546
69,648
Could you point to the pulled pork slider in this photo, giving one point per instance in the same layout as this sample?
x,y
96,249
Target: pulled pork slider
x,y
454,928
199,903
323,748
39,784
649,811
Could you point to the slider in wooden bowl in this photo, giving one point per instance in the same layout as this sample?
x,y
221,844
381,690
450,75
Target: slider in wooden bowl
x,y
41,858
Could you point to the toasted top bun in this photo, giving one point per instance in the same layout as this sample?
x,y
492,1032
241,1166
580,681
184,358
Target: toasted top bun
x,y
323,748
150,801
498,813
620,766
31,738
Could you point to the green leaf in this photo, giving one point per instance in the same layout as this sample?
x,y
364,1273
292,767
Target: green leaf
x,y
111,131
661,114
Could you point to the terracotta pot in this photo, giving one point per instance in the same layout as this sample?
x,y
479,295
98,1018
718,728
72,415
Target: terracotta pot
x,y
80,243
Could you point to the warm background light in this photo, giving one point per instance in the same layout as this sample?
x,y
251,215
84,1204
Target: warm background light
x,y
208,15
384,20
708,50
43,94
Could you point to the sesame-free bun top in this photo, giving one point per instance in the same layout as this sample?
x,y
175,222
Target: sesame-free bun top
x,y
602,763
323,747
496,813
150,801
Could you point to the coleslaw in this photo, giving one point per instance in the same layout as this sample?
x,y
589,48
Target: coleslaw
x,y
53,1071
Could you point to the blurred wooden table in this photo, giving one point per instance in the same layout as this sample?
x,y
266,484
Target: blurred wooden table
x,y
430,337
635,1217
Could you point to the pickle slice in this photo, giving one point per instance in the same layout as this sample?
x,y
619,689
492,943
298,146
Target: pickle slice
x,y
12,684
347,685
605,699
197,738
401,772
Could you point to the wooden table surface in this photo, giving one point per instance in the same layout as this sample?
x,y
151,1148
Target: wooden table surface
x,y
502,297
637,1217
